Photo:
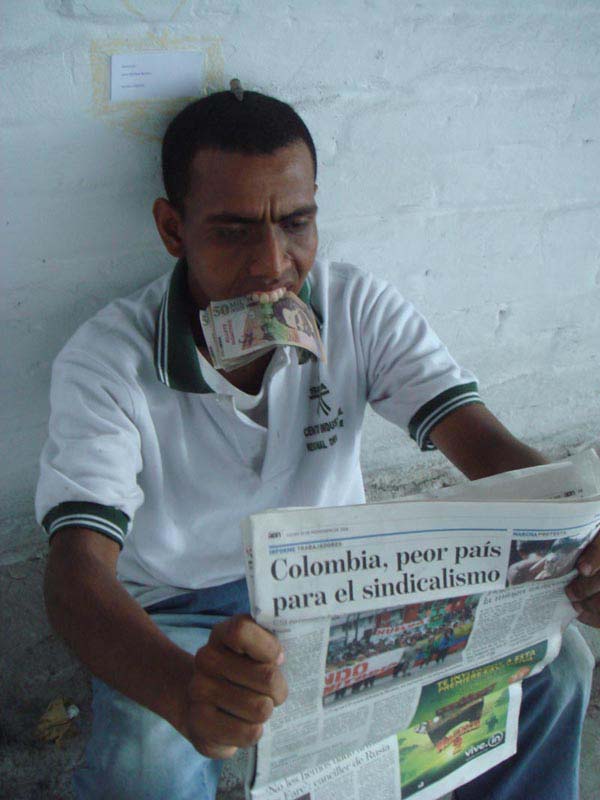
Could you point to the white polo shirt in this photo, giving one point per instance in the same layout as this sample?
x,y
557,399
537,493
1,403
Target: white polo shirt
x,y
151,447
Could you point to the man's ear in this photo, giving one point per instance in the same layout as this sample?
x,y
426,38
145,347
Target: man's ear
x,y
169,226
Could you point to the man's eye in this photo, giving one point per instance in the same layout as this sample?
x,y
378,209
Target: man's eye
x,y
231,234
296,225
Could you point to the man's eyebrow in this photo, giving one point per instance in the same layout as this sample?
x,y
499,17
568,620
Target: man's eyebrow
x,y
237,219
303,211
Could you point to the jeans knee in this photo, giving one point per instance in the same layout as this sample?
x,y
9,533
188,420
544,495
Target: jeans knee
x,y
146,773
563,687
135,754
575,666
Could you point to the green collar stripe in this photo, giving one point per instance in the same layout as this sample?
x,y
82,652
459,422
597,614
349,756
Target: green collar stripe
x,y
304,293
160,353
175,352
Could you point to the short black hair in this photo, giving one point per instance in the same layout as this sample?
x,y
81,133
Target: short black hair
x,y
258,124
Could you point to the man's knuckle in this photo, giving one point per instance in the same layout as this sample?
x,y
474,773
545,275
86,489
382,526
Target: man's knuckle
x,y
207,661
236,628
281,693
206,748
269,675
240,623
263,708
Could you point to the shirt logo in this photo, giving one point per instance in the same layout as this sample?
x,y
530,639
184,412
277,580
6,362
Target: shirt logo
x,y
327,430
318,393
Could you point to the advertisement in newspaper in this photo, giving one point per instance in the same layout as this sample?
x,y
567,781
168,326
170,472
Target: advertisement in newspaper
x,y
462,719
408,628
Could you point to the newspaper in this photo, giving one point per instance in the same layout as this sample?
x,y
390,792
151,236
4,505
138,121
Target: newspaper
x,y
408,628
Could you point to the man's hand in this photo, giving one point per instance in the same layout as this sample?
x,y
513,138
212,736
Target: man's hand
x,y
236,684
584,590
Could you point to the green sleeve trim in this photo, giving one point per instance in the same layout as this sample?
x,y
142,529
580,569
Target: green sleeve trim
x,y
107,520
433,412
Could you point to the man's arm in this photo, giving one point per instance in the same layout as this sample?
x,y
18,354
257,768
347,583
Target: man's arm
x,y
479,445
218,698
476,442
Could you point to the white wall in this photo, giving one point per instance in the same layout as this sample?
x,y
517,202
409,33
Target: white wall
x,y
459,156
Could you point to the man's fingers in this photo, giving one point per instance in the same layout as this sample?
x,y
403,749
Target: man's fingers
x,y
588,563
226,731
589,617
584,594
236,684
582,588
209,750
220,663
244,636
237,701
243,653
588,611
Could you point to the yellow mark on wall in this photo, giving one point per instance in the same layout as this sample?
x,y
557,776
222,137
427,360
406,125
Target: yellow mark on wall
x,y
129,6
138,13
148,119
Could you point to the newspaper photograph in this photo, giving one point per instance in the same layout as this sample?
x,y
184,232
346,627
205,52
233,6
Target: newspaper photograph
x,y
378,648
533,557
408,628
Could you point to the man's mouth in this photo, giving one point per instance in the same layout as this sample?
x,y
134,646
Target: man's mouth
x,y
268,297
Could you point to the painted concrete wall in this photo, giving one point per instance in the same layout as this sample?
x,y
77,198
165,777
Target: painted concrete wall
x,y
459,156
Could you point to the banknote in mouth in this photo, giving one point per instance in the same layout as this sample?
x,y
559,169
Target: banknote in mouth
x,y
241,329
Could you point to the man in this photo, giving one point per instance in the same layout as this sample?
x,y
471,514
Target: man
x,y
153,457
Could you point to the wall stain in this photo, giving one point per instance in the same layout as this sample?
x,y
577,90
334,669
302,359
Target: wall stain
x,y
128,5
147,119
502,315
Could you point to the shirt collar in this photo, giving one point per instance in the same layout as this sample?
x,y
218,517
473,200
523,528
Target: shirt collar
x,y
175,353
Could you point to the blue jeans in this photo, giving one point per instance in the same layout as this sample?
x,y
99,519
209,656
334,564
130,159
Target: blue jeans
x,y
133,754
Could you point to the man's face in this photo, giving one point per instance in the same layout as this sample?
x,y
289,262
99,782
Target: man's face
x,y
249,223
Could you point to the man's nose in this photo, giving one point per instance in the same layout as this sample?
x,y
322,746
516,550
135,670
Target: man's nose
x,y
269,260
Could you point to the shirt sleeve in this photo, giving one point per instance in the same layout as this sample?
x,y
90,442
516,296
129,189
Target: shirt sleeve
x,y
412,380
90,462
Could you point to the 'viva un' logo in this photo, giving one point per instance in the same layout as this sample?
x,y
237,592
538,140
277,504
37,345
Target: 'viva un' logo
x,y
493,741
